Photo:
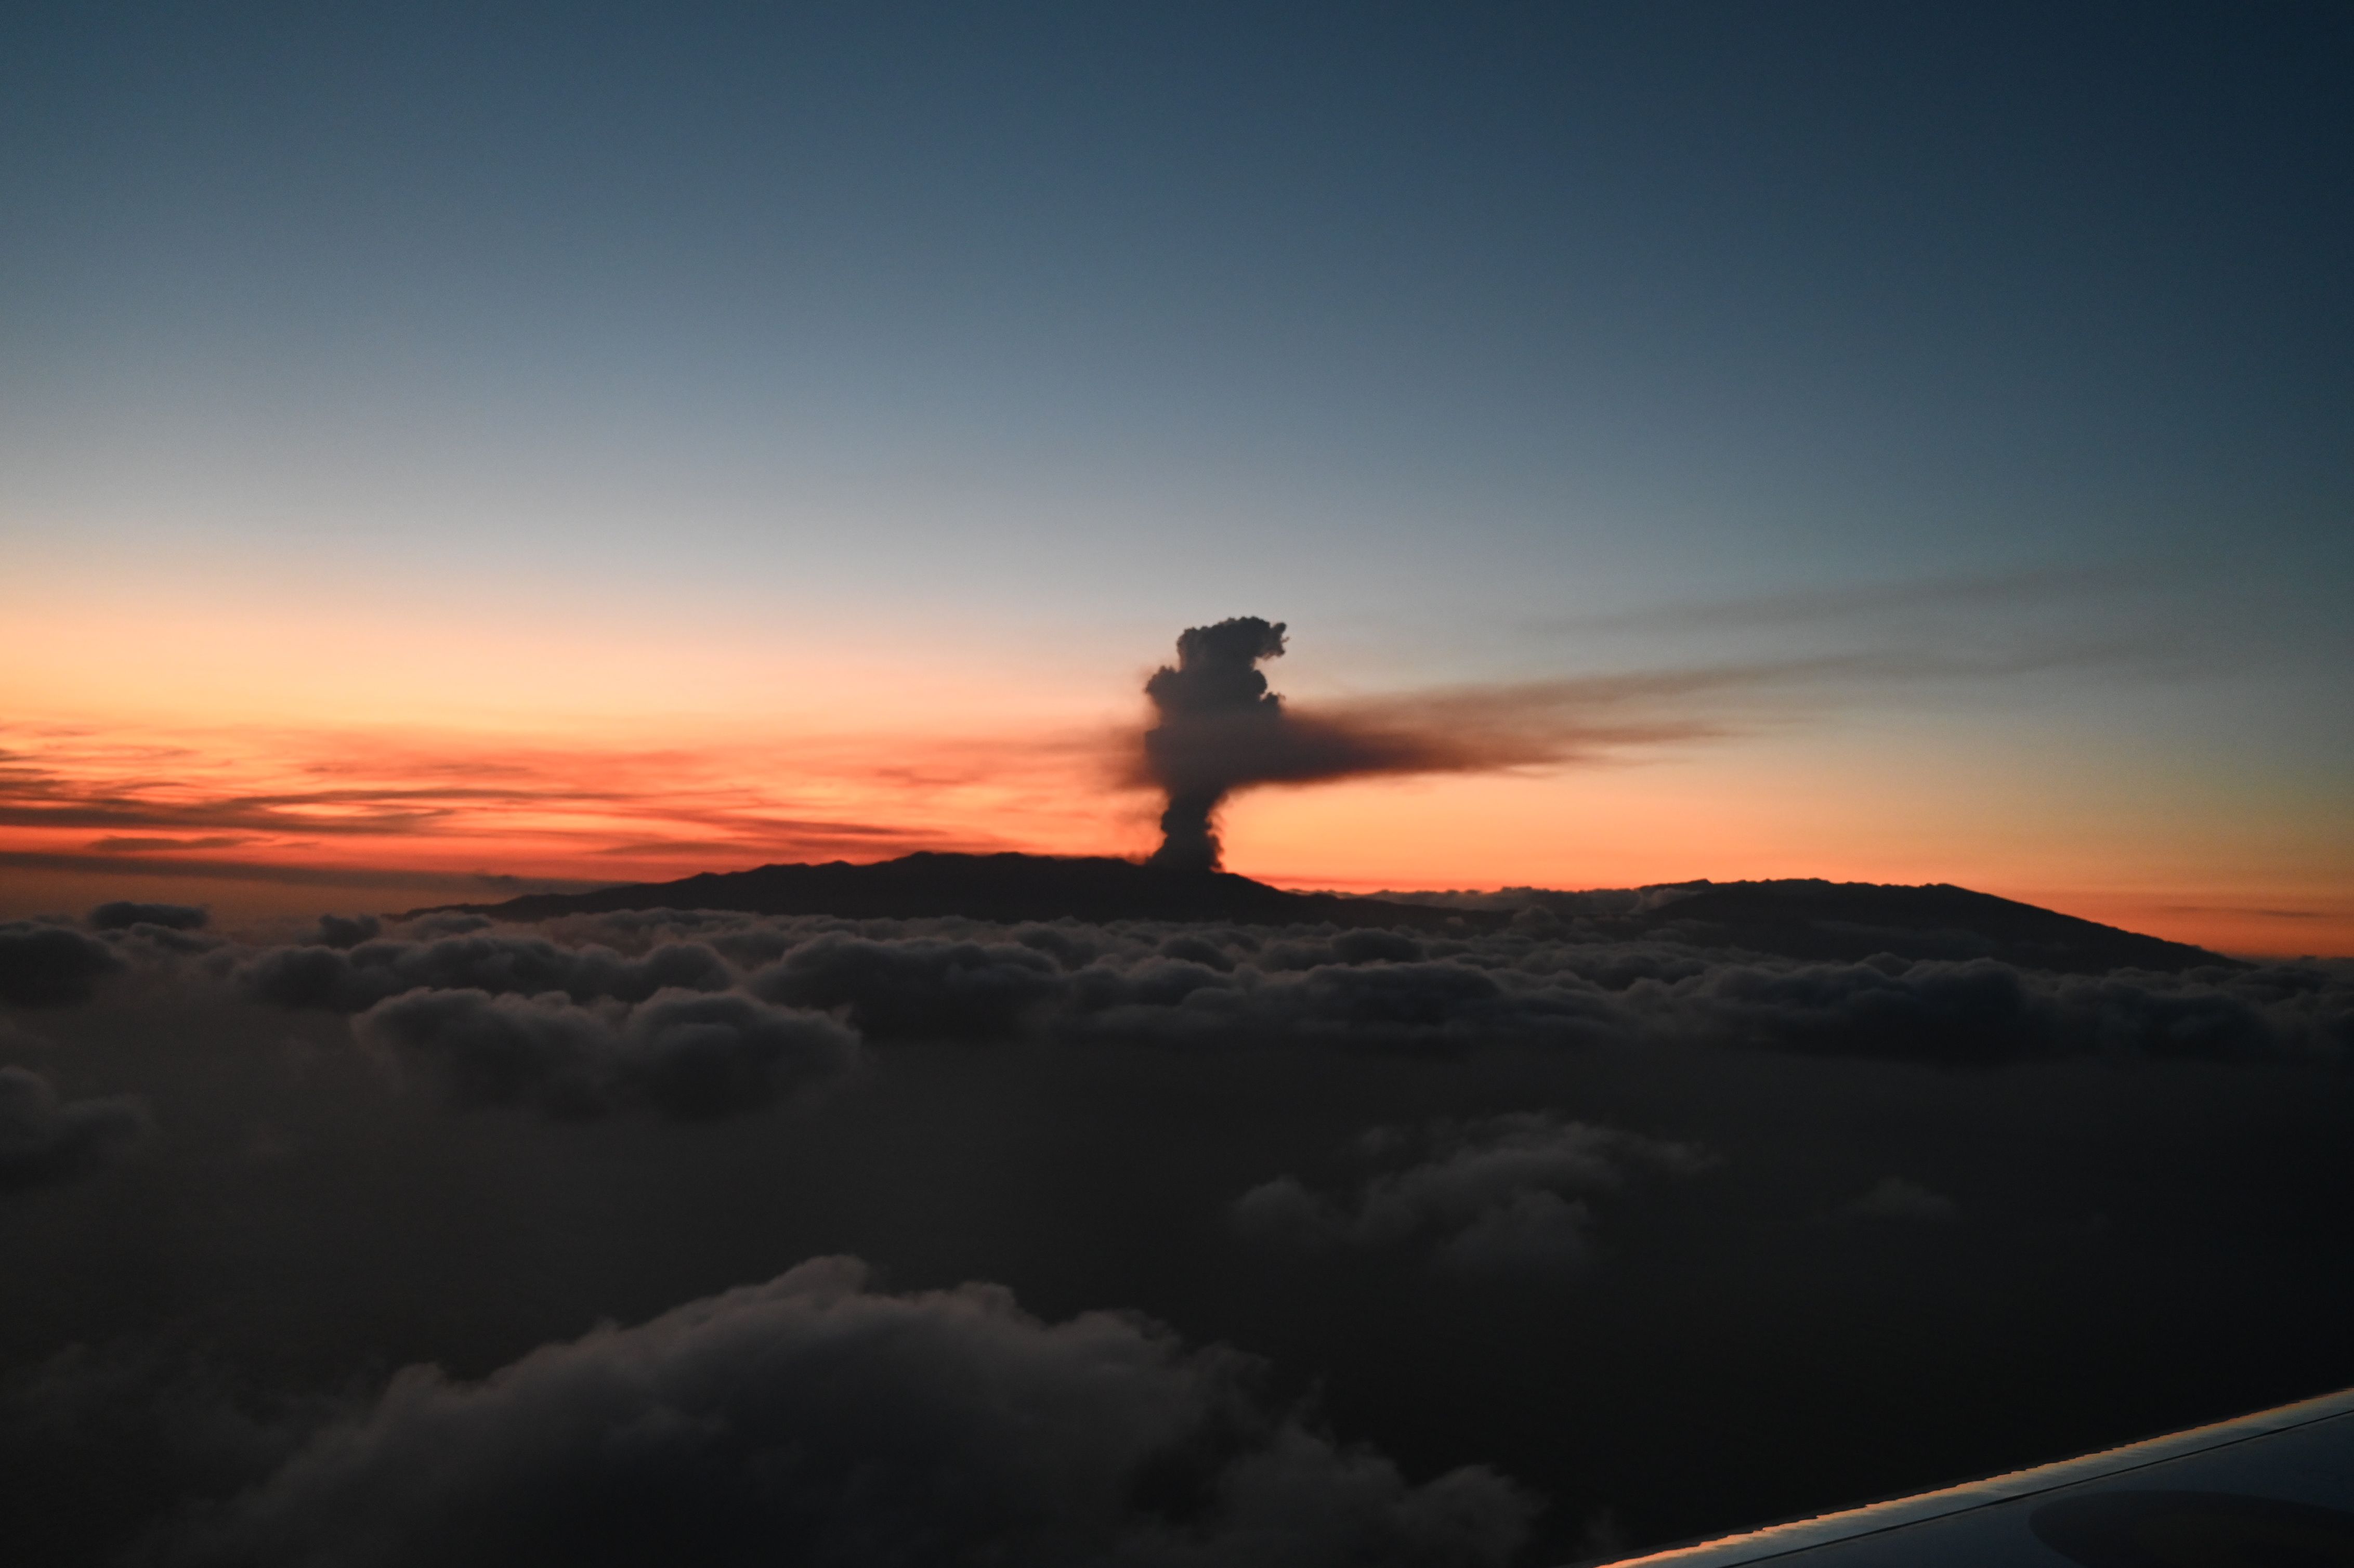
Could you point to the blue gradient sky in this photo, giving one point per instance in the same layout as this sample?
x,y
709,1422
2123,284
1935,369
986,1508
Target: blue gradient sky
x,y
1489,343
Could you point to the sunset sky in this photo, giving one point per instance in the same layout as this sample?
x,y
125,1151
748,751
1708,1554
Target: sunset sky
x,y
447,449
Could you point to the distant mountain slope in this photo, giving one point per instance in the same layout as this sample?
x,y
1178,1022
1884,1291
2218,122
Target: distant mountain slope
x,y
989,887
1811,919
1801,919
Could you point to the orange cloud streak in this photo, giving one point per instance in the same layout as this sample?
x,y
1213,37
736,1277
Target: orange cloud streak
x,y
413,801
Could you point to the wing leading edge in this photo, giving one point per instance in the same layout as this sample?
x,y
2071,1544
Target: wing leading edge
x,y
2274,1490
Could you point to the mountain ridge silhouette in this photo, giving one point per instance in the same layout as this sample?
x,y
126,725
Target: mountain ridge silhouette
x,y
1801,918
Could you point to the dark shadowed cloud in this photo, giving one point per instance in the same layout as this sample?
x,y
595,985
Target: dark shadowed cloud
x,y
1510,1194
346,975
816,1420
688,1056
1539,981
919,988
50,966
346,930
1895,1198
44,1139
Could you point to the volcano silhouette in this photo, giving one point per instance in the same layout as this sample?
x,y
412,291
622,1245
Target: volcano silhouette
x,y
1791,918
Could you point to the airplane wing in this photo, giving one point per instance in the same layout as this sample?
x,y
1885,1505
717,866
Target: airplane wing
x,y
2271,1490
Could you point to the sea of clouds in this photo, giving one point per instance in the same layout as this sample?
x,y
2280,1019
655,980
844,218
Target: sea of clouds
x,y
715,1235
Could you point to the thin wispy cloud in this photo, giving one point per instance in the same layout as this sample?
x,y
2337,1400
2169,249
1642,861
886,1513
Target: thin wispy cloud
x,y
451,804
2028,588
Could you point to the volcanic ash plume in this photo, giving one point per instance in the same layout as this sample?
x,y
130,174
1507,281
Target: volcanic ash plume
x,y
1220,729
1216,715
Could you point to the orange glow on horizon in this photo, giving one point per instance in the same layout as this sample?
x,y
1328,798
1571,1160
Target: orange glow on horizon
x,y
542,807
260,750
431,811
1759,817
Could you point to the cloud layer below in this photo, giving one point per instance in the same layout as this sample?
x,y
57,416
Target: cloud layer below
x,y
1543,982
814,1419
1636,1230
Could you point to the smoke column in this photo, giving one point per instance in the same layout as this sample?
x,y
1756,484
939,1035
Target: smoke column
x,y
1215,712
1219,729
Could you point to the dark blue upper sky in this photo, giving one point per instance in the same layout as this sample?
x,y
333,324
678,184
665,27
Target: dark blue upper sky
x,y
1905,284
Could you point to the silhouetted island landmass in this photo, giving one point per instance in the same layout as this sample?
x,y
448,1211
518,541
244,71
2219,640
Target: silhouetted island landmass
x,y
1791,918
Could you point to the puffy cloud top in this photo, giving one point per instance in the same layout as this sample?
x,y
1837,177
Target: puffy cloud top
x,y
915,986
50,966
329,977
1210,983
815,1420
1510,1193
44,1139
689,1057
